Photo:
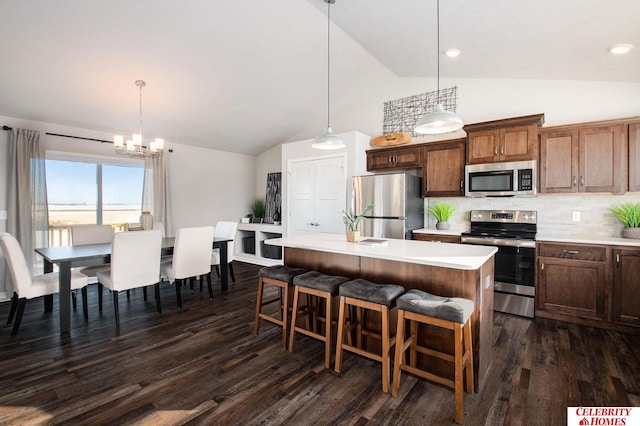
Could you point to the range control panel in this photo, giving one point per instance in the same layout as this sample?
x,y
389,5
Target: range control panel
x,y
504,216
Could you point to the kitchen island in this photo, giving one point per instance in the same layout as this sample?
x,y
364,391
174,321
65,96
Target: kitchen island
x,y
453,270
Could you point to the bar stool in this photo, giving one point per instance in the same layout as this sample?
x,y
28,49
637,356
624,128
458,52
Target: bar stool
x,y
280,276
420,307
381,298
323,287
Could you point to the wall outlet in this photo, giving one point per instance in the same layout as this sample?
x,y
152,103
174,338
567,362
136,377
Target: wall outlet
x,y
575,216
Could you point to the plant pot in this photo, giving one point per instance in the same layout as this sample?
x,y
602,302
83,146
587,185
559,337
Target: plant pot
x,y
353,236
442,225
631,233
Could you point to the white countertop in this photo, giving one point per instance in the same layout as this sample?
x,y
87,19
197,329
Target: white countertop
x,y
456,232
446,255
588,239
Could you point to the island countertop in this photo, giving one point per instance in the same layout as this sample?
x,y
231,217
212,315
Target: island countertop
x,y
444,255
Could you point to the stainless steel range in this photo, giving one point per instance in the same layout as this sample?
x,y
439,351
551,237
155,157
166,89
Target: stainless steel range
x,y
513,232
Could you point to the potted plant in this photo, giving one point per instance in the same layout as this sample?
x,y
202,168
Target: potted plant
x,y
258,210
629,215
442,212
352,222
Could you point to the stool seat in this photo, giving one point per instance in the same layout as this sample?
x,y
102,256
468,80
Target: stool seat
x,y
319,281
280,273
453,309
380,294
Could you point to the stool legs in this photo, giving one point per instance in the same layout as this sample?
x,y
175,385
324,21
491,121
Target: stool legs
x,y
384,336
283,307
462,359
311,329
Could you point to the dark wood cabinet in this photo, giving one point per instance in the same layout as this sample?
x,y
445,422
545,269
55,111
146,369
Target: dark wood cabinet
x,y
572,280
394,159
634,157
584,158
625,294
513,139
436,238
443,168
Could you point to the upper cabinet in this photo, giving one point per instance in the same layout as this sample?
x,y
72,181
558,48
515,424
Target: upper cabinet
x,y
394,159
584,158
443,169
513,139
634,156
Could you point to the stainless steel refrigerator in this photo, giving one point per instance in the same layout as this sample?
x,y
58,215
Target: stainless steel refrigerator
x,y
398,204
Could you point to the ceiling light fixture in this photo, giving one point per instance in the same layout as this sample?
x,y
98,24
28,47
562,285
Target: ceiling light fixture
x,y
621,48
452,53
328,140
438,120
134,146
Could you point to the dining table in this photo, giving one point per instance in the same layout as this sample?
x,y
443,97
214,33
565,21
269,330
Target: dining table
x,y
67,257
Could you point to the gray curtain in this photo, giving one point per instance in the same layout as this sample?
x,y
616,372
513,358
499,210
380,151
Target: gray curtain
x,y
27,216
155,191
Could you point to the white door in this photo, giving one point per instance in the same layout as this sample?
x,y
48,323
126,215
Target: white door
x,y
317,194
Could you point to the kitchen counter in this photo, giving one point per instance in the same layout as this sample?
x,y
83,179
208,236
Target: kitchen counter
x,y
455,232
445,269
456,256
588,239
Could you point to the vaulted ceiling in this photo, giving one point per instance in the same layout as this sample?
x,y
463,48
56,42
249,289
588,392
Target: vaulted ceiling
x,y
245,75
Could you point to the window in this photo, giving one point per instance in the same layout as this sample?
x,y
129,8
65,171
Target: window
x,y
91,191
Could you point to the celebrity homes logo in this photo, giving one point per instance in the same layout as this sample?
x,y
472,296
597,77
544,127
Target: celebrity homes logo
x,y
603,416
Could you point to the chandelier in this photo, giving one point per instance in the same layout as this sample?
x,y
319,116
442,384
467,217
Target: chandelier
x,y
134,145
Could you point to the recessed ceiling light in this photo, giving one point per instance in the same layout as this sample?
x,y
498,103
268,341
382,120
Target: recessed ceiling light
x,y
621,48
452,53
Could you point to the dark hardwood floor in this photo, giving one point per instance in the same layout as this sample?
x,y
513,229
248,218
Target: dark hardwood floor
x,y
203,365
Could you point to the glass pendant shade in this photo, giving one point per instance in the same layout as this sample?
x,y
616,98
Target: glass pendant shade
x,y
328,140
438,121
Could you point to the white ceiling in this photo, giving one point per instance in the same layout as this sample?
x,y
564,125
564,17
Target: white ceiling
x,y
245,75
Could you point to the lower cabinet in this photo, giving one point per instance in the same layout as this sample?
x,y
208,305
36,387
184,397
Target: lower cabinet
x,y
572,279
593,284
436,238
251,247
625,306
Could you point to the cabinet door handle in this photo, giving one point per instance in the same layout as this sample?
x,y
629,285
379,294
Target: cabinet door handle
x,y
502,150
395,158
581,180
461,185
575,180
571,251
617,258
495,150
390,159
542,266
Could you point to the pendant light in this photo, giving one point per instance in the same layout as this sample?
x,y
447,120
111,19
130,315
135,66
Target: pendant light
x,y
328,140
438,120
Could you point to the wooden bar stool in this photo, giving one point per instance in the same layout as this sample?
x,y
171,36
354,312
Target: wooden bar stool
x,y
322,287
365,295
420,307
280,276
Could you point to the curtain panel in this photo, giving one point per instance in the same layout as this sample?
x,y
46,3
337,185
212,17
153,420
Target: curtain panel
x,y
155,191
27,216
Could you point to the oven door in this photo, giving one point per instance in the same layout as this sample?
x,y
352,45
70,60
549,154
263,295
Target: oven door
x,y
516,266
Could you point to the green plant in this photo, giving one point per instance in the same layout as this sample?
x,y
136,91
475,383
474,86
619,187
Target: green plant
x,y
628,213
442,211
258,208
352,221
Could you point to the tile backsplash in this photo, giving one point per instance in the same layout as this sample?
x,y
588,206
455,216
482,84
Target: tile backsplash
x,y
554,212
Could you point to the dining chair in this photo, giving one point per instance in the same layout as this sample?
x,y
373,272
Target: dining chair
x,y
135,262
27,286
225,230
191,258
92,234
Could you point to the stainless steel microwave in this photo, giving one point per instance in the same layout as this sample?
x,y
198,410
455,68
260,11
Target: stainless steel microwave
x,y
517,178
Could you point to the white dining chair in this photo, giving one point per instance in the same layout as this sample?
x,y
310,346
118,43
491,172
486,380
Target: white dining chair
x,y
191,258
135,262
225,230
27,286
